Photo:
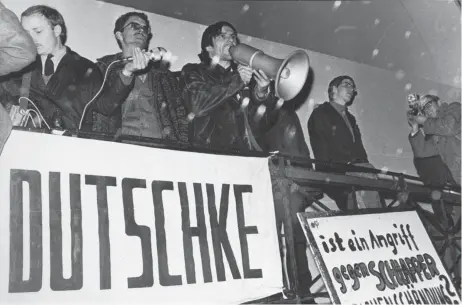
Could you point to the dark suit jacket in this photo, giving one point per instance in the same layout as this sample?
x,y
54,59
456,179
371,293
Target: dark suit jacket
x,y
331,139
62,100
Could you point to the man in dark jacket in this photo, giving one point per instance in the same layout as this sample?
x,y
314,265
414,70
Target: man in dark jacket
x,y
59,82
335,137
17,50
148,102
213,92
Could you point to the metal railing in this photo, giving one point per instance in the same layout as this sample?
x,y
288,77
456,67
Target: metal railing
x,y
401,191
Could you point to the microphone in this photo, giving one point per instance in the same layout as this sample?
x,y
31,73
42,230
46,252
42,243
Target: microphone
x,y
155,55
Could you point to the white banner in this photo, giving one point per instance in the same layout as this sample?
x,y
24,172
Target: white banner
x,y
377,258
86,221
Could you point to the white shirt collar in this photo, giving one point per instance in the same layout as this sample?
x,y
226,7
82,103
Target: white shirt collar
x,y
59,54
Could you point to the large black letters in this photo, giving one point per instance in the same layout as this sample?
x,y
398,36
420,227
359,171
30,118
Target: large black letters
x,y
219,234
101,183
244,230
16,281
146,279
57,281
164,277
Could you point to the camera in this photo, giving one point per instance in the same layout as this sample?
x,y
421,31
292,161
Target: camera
x,y
414,106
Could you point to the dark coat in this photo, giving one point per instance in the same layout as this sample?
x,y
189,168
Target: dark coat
x,y
211,95
331,139
62,100
166,92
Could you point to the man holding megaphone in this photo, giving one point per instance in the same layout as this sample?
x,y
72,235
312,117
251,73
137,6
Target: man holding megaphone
x,y
232,106
214,92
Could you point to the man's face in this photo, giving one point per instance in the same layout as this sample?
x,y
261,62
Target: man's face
x,y
431,110
345,91
43,34
222,43
135,32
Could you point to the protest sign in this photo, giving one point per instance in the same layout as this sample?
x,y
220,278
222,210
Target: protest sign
x,y
377,257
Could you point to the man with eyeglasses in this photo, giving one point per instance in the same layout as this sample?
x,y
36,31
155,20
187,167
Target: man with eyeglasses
x,y
148,102
335,137
435,141
434,133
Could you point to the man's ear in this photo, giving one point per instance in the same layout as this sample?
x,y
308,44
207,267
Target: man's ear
x,y
57,30
118,36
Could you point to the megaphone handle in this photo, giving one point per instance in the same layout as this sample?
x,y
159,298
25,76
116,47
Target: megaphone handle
x,y
252,58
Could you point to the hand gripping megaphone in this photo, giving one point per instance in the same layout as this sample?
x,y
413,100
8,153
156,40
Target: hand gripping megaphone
x,y
289,74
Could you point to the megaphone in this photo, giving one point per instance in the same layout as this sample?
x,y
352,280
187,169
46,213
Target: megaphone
x,y
289,74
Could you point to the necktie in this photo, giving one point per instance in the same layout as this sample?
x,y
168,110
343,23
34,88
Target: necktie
x,y
49,66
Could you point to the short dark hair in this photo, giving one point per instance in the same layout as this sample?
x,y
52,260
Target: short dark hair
x,y
54,17
335,83
120,22
211,32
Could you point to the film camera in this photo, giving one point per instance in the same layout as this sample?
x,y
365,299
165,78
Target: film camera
x,y
415,108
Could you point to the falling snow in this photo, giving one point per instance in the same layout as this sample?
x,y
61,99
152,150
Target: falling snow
x,y
191,116
408,87
407,34
375,53
399,151
384,170
245,8
328,68
336,5
400,74
377,21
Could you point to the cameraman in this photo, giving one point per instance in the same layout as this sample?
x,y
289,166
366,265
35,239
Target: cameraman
x,y
436,132
435,141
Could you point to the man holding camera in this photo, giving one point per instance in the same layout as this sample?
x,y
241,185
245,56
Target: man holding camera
x,y
435,141
436,132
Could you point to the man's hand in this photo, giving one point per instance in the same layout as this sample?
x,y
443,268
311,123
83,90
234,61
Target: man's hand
x,y
139,62
420,119
263,81
245,72
414,125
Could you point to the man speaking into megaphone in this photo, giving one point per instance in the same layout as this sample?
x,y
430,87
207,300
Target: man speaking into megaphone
x,y
222,96
225,102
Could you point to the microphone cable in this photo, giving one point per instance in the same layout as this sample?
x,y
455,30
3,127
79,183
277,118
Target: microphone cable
x,y
97,93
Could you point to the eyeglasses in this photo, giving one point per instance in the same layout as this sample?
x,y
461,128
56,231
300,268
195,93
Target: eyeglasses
x,y
136,26
427,106
226,36
349,85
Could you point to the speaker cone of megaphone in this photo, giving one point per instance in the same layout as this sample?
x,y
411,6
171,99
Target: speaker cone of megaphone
x,y
289,74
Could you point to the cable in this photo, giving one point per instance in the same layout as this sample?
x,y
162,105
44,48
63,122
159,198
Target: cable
x,y
30,116
97,93
38,111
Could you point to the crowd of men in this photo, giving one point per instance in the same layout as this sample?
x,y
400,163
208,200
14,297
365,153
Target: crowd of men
x,y
203,107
